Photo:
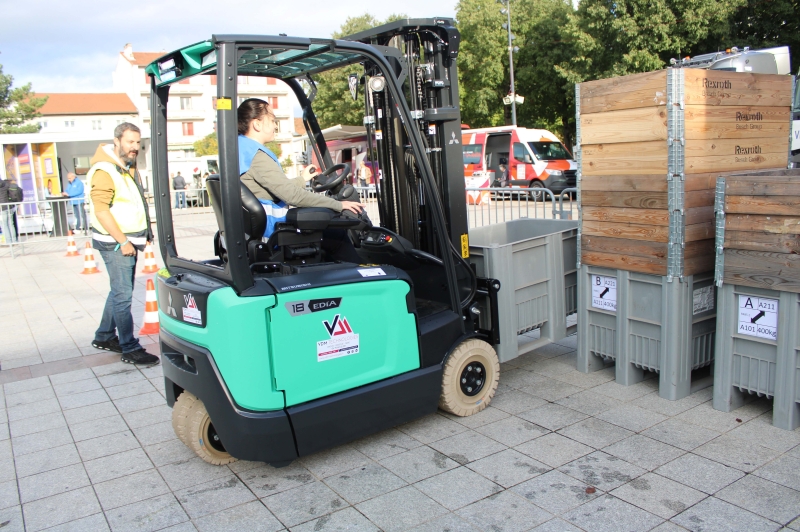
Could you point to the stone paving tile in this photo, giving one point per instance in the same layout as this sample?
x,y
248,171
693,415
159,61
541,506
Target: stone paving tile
x,y
40,441
155,433
515,402
45,460
484,417
349,520
643,451
72,376
551,390
762,497
39,408
79,386
457,488
506,512
106,445
266,480
626,393
363,483
631,417
418,464
33,425
26,385
508,468
655,403
98,427
13,517
83,399
61,508
586,380
608,513
148,416
214,496
152,514
52,483
333,461
595,433
93,523
554,449
556,525
9,494
250,517
737,453
700,473
169,452
117,465
446,523
519,378
680,434
553,416
705,416
191,472
385,444
555,492
90,413
551,367
715,515
29,396
432,428
602,470
784,471
129,489
658,495
390,512
467,447
129,390
139,402
119,378
305,503
512,431
761,431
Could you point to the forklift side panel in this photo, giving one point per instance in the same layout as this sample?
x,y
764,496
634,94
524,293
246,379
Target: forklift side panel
x,y
336,338
256,436
236,335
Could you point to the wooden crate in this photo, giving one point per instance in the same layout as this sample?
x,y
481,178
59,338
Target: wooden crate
x,y
758,230
723,122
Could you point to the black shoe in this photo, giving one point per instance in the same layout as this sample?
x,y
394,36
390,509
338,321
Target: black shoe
x,y
111,345
140,357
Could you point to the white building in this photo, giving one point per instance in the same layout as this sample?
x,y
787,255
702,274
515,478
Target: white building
x,y
191,110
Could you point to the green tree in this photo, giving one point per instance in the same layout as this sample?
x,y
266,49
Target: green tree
x,y
18,106
208,145
764,24
334,103
275,148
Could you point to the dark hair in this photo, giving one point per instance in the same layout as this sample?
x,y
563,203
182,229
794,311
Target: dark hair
x,y
249,110
123,127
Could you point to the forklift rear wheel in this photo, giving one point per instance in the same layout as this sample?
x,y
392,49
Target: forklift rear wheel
x,y
470,378
195,429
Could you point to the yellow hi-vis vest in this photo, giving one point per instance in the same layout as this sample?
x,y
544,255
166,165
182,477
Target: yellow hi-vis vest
x,y
127,206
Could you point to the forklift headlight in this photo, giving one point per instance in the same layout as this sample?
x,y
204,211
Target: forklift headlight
x,y
377,83
210,58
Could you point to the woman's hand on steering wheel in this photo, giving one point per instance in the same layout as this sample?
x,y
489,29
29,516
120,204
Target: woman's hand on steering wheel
x,y
309,173
319,186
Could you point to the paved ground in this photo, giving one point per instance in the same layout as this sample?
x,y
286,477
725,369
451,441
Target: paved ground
x,y
92,448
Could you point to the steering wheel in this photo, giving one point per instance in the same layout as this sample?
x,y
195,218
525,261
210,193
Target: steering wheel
x,y
344,167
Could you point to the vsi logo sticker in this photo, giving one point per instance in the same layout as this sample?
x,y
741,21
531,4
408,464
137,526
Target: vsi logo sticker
x,y
343,341
191,313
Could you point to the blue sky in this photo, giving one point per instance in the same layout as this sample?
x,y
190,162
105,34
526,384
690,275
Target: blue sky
x,y
73,46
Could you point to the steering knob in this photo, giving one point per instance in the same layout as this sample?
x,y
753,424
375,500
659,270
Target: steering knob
x,y
336,179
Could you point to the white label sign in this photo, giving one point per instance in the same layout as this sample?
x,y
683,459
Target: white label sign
x,y
604,292
338,346
372,272
758,316
702,299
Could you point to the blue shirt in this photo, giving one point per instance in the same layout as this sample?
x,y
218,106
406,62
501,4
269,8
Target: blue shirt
x,y
75,191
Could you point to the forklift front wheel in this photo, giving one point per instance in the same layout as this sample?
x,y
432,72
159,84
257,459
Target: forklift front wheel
x,y
194,428
470,378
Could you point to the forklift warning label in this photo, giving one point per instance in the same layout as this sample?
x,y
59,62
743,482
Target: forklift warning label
x,y
604,292
343,341
758,316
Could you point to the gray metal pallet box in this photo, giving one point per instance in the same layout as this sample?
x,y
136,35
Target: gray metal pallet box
x,y
761,366
534,260
654,325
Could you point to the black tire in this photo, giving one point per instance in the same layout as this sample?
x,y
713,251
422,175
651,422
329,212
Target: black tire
x,y
470,378
536,195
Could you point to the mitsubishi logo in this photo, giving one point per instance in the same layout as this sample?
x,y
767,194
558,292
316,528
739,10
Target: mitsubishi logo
x,y
453,139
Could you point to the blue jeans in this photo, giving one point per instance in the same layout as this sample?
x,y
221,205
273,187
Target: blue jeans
x,y
180,198
7,223
80,217
117,312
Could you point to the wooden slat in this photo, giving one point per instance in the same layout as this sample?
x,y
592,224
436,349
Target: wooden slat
x,y
624,183
770,242
699,248
733,163
625,158
707,181
775,271
715,87
625,262
698,215
782,225
624,246
773,205
628,125
737,147
653,233
698,265
782,183
656,80
702,231
637,200
728,122
622,215
699,198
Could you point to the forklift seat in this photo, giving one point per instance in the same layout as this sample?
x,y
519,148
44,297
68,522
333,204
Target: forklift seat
x,y
254,219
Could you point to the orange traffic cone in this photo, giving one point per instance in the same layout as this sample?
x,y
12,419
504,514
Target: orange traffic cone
x,y
89,265
72,249
150,265
150,325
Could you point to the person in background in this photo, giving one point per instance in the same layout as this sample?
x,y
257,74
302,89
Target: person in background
x,y
7,214
75,191
179,184
15,195
120,228
364,174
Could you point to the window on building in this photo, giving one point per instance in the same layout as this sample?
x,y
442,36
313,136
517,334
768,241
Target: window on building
x,y
97,125
272,81
69,123
244,80
273,102
148,103
214,103
277,126
188,129
184,81
241,99
43,124
186,102
214,79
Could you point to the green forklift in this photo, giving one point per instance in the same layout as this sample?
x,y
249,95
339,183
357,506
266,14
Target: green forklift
x,y
270,349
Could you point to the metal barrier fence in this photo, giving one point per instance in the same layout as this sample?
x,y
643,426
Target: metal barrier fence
x,y
487,206
39,223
